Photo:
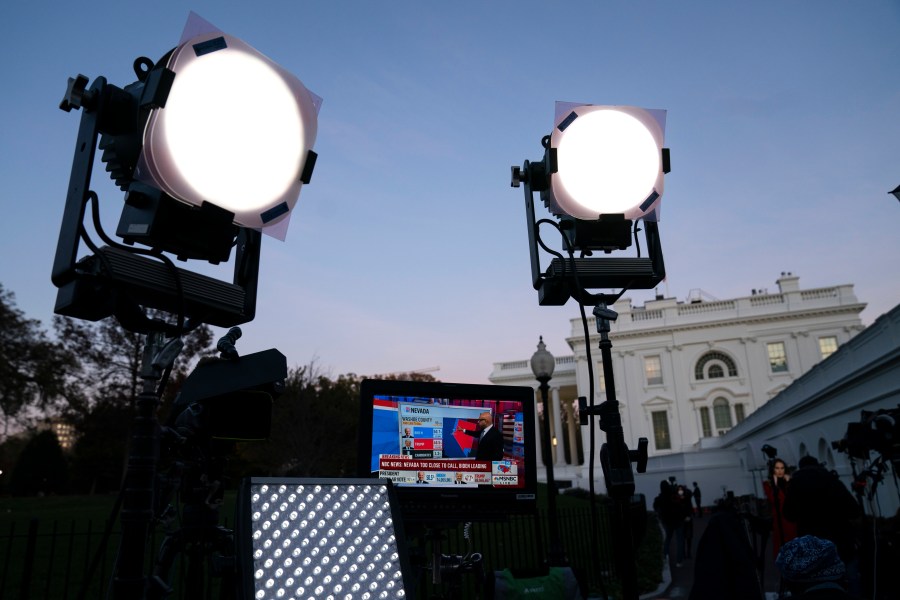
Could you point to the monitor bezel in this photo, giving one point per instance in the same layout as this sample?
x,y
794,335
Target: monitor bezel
x,y
455,504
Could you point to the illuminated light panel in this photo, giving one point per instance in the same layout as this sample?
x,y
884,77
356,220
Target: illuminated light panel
x,y
236,131
323,540
609,162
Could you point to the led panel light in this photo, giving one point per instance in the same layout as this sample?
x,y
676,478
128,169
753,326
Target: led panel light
x,y
305,538
236,131
609,161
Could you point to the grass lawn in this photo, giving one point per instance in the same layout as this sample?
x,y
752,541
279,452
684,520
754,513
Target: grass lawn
x,y
69,534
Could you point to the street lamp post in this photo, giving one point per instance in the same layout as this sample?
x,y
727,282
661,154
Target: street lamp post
x,y
542,365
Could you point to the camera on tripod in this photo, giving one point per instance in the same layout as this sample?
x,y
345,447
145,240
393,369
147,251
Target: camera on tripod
x,y
232,399
877,431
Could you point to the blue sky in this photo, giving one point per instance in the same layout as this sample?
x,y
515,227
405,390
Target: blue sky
x,y
408,250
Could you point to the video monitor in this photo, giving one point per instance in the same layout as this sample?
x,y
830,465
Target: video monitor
x,y
453,451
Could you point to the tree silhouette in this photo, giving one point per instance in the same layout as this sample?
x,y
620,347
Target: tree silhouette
x,y
314,427
101,389
32,367
41,468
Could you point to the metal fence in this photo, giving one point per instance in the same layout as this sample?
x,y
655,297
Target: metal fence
x,y
54,560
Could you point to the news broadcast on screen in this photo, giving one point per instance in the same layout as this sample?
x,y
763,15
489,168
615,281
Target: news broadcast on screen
x,y
434,441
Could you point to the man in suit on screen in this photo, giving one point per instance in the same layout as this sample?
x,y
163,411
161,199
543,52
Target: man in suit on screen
x,y
489,441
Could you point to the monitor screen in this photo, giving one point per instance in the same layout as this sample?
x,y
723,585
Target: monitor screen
x,y
453,451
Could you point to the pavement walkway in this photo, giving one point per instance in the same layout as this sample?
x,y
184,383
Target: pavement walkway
x,y
677,581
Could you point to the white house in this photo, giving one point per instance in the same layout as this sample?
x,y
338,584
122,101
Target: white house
x,y
709,382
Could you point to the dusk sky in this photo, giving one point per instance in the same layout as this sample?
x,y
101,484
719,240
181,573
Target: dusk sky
x,y
408,250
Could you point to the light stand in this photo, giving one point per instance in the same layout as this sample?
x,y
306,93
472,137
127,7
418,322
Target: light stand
x,y
140,476
542,365
616,459
586,226
211,145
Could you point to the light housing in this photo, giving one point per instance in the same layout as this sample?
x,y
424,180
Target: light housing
x,y
169,206
602,171
609,161
236,131
304,538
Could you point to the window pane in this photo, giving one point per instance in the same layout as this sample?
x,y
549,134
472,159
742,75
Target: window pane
x,y
653,370
705,422
739,412
827,346
722,414
716,371
661,430
726,363
777,357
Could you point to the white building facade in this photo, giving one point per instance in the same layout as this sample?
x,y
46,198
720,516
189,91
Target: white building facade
x,y
687,373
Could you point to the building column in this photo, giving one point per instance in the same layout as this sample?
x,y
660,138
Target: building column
x,y
573,431
559,456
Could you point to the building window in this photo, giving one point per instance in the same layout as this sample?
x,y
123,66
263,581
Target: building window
x,y
653,370
777,357
661,430
722,415
739,413
705,423
714,365
827,346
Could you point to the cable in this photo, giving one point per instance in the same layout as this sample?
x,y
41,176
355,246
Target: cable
x,y
98,227
595,518
637,240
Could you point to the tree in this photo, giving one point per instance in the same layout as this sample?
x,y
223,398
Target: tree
x,y
314,426
102,388
41,468
32,367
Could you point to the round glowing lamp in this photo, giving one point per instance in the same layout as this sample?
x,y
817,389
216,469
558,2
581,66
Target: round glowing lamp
x,y
236,131
609,161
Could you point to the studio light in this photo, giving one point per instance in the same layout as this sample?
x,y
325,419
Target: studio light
x,y
330,538
211,145
609,161
602,171
236,131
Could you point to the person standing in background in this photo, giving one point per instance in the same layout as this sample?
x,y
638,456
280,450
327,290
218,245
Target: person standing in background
x,y
696,494
687,526
776,486
822,506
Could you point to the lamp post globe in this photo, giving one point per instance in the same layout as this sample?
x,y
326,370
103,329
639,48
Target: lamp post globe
x,y
542,363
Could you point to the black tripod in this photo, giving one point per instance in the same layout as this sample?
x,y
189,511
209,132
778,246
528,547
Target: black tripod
x,y
195,464
129,580
616,459
447,570
208,550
